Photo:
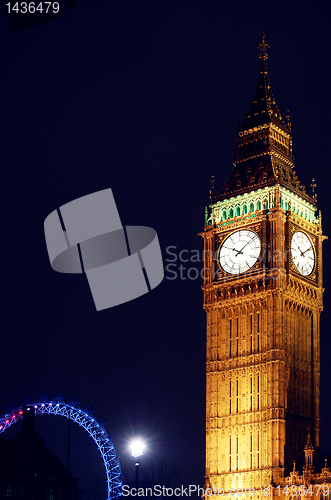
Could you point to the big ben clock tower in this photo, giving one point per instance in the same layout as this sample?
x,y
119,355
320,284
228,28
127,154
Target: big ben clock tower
x,y
263,299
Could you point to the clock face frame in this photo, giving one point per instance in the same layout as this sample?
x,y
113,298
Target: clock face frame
x,y
239,251
303,253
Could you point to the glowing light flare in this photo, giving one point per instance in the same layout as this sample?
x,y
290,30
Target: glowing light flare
x,y
137,447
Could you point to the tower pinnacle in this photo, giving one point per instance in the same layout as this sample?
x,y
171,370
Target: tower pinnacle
x,y
263,149
263,46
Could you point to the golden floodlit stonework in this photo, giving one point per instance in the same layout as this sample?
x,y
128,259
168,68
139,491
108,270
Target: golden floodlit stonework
x,y
263,299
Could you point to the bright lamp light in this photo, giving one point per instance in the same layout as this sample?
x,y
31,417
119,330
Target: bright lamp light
x,y
137,447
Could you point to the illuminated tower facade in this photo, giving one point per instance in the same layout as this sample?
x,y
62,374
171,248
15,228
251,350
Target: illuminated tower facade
x,y
263,299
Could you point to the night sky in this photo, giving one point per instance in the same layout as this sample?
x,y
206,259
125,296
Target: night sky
x,y
141,97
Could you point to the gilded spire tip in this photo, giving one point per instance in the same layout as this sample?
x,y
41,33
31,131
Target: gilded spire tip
x,y
263,46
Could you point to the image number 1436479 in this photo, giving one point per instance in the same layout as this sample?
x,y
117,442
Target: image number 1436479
x,y
25,15
33,7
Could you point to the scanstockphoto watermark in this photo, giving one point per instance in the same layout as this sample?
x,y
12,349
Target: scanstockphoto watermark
x,y
191,490
186,264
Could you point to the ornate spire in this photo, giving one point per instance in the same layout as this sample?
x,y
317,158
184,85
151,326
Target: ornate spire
x,y
309,453
309,446
263,109
313,186
263,149
212,187
263,46
288,119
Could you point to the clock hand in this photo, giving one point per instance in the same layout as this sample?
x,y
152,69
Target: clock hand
x,y
241,251
302,253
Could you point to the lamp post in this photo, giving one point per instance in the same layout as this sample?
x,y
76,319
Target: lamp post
x,y
137,447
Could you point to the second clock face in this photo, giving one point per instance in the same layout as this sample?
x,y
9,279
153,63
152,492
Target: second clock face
x,y
239,252
302,252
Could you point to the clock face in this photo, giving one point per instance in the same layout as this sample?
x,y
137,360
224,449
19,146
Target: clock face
x,y
239,252
302,252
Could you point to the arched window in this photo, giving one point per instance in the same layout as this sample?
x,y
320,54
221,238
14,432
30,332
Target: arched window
x,y
251,207
266,204
237,211
282,203
258,205
245,209
231,213
224,215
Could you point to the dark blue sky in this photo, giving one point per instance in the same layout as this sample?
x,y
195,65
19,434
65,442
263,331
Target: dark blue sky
x,y
142,97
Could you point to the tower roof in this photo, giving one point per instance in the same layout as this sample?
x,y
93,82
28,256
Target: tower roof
x,y
264,145
263,109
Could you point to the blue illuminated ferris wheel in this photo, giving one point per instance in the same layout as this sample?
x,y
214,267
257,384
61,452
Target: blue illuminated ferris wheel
x,y
84,419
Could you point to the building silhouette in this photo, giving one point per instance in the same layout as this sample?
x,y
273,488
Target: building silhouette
x,y
30,471
263,298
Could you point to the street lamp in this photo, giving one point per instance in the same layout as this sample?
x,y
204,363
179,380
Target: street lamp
x,y
137,447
